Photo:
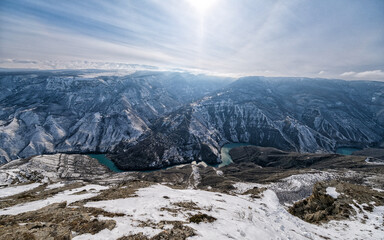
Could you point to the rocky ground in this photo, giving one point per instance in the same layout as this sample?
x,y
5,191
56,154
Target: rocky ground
x,y
266,193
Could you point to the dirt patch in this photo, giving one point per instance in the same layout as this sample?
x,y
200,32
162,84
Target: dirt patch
x,y
138,236
177,176
180,207
187,205
177,232
201,217
171,210
255,192
123,190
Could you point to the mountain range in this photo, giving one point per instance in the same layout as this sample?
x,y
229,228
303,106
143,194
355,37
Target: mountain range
x,y
149,119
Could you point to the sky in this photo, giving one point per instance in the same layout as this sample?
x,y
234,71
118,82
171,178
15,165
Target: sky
x,y
319,38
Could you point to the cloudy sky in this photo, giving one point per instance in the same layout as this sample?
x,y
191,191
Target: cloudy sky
x,y
319,38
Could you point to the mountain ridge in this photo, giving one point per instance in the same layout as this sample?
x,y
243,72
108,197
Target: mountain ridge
x,y
303,117
156,119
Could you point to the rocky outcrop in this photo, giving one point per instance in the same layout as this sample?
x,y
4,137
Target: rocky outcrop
x,y
323,206
52,168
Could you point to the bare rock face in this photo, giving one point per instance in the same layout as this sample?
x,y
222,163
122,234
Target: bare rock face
x,y
323,207
52,168
291,114
172,141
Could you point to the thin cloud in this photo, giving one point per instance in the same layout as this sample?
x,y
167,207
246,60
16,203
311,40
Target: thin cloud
x,y
284,38
348,74
369,75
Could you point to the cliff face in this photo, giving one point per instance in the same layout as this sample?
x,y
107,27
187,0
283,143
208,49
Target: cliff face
x,y
156,119
304,115
48,112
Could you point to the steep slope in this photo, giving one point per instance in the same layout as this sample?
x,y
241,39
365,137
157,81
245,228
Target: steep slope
x,y
177,138
46,112
304,115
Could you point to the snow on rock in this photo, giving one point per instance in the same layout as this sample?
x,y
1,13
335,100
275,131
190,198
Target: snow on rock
x,y
331,191
57,113
51,168
195,176
39,168
55,185
69,196
292,183
365,225
242,187
298,181
219,172
374,161
378,189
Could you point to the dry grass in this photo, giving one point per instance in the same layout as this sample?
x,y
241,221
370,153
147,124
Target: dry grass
x,y
39,193
56,221
201,217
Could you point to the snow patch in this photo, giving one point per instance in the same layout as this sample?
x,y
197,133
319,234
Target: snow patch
x,y
374,162
9,191
331,191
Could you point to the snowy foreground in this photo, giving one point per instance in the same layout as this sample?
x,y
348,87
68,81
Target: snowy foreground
x,y
68,196
237,216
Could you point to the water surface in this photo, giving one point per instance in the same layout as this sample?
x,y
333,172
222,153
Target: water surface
x,y
225,157
102,158
346,150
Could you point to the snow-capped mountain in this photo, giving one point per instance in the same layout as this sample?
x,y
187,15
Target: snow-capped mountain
x,y
48,112
155,119
304,115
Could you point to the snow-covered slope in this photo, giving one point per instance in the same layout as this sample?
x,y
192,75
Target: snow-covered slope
x,y
74,196
156,119
304,115
47,112
158,209
237,217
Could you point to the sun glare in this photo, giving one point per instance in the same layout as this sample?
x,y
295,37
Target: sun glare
x,y
201,5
